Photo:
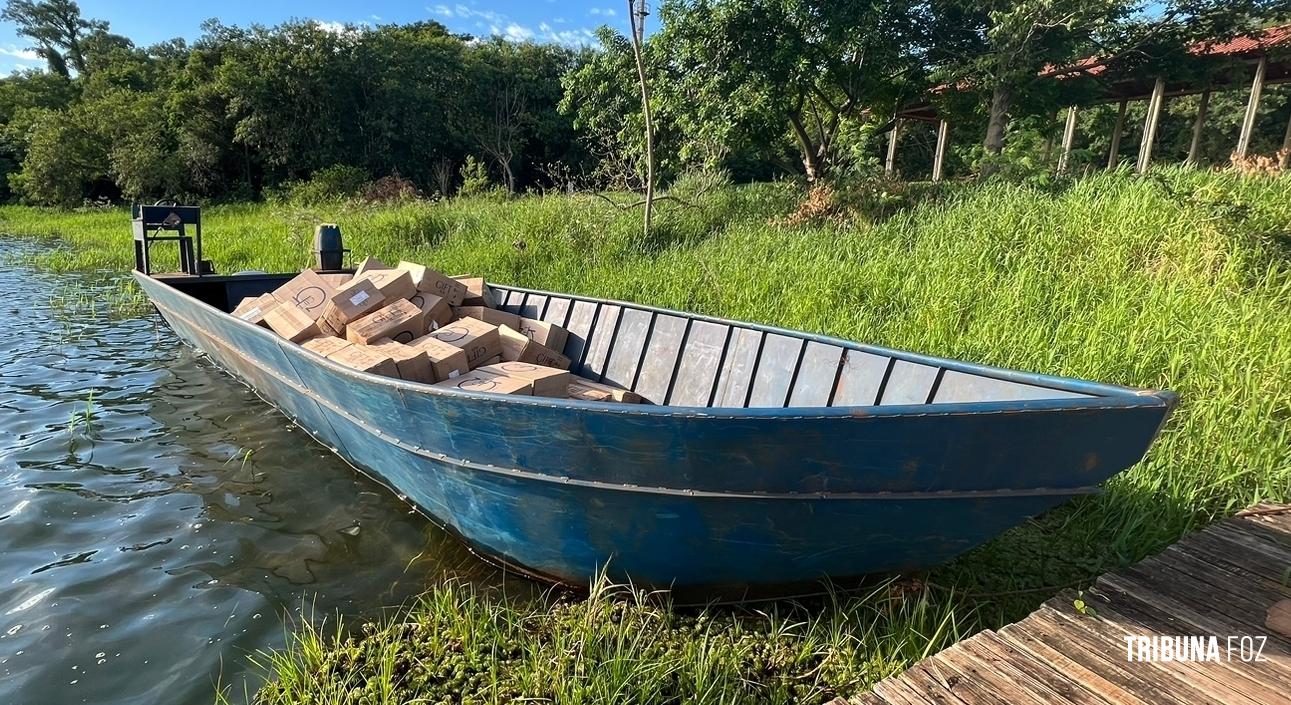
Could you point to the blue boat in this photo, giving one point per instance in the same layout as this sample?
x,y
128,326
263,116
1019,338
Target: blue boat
x,y
766,457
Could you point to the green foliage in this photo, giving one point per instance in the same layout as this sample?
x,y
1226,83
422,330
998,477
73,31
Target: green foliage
x,y
460,644
334,183
475,178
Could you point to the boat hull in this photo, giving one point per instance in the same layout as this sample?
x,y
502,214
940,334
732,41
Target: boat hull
x,y
685,498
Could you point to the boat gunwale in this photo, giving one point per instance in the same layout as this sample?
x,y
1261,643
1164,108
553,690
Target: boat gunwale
x,y
1107,396
543,477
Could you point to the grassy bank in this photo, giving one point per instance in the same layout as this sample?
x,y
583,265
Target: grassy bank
x,y
1181,280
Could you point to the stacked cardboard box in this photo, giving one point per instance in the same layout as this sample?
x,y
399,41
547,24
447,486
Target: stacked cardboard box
x,y
413,323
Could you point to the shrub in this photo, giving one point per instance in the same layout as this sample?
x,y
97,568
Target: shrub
x,y
335,183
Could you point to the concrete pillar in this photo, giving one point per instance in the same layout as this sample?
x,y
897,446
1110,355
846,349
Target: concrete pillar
x,y
891,164
1068,136
1114,155
1150,126
1252,105
1194,149
939,156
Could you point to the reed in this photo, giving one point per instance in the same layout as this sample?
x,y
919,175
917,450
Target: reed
x,y
1179,280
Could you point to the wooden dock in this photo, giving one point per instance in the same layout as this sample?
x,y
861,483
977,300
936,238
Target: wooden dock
x,y
1230,581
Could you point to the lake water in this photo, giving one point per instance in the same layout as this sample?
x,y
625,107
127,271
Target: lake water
x,y
146,552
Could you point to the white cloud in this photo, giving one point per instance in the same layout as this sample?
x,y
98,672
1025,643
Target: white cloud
x,y
333,27
605,11
20,55
441,10
544,27
518,33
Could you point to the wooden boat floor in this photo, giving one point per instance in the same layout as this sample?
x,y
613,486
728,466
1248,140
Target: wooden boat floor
x,y
1228,580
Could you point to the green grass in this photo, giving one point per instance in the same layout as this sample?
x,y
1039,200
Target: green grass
x,y
1181,280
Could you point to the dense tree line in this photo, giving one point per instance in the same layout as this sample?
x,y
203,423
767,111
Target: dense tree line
x,y
755,87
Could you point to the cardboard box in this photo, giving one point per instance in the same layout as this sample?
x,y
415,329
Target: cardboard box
x,y
547,381
484,382
544,333
364,358
336,280
325,345
401,321
491,316
292,323
516,347
426,279
478,292
479,339
413,363
354,300
582,388
306,291
435,308
253,308
446,361
370,264
392,283
492,361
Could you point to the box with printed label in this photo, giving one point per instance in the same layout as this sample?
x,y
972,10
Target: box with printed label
x,y
478,381
401,321
479,339
516,347
446,361
253,308
547,381
291,323
354,300
426,279
413,363
478,293
306,291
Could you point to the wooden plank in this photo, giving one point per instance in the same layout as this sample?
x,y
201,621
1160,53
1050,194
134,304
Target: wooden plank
x,y
513,302
697,371
660,361
860,378
580,324
1243,613
916,685
598,346
1215,685
1219,576
1202,618
1018,637
1218,549
816,375
736,377
1037,675
1274,529
557,311
1136,618
780,354
985,684
1108,660
1249,545
958,387
629,344
533,306
909,383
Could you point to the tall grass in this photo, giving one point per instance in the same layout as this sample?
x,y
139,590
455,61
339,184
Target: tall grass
x,y
1180,280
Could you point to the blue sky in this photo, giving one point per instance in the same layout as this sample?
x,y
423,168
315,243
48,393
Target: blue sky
x,y
149,21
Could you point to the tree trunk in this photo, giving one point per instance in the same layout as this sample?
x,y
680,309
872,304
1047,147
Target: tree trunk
x,y
996,125
810,157
636,15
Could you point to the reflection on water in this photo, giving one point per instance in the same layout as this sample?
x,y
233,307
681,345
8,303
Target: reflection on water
x,y
158,520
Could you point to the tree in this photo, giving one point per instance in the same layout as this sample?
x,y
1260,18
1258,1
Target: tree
x,y
637,15
758,67
57,28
